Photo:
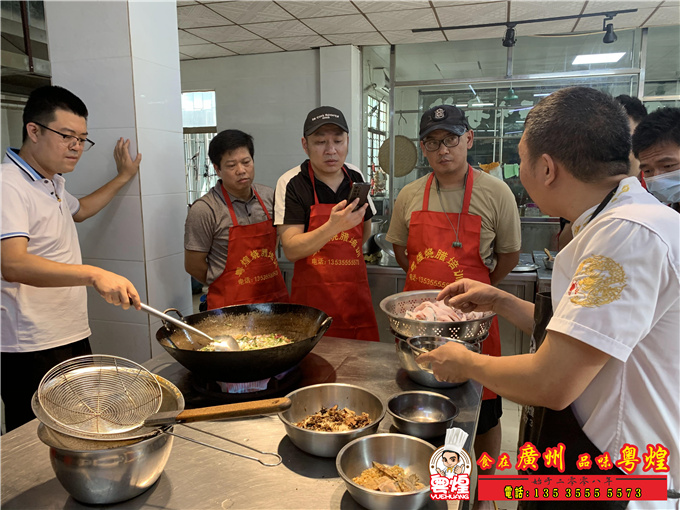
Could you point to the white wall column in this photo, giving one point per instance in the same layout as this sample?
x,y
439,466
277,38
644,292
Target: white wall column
x,y
340,86
122,59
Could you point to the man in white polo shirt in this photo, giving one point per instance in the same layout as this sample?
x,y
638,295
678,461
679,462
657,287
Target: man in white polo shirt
x,y
44,300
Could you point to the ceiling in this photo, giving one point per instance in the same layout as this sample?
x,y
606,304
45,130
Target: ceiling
x,y
209,29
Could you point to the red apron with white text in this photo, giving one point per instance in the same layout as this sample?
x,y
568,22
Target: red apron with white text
x,y
433,263
334,279
251,273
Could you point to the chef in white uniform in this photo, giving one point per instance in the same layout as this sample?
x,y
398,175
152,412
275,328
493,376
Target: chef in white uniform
x,y
608,368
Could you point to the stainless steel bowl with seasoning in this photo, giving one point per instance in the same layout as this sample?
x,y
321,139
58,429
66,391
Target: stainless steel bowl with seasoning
x,y
310,400
409,453
423,414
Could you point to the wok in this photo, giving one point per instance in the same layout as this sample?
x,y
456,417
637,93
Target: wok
x,y
302,324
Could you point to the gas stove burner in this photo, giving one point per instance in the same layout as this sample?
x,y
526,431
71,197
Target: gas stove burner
x,y
276,386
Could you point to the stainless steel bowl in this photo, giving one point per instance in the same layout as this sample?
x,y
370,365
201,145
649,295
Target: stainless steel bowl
x,y
422,414
310,399
410,453
409,349
99,472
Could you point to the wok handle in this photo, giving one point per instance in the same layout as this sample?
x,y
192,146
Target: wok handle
x,y
241,409
324,327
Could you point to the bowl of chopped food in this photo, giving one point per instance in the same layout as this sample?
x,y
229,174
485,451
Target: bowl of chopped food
x,y
423,414
325,417
387,471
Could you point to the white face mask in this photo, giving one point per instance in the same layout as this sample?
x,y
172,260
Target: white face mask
x,y
665,187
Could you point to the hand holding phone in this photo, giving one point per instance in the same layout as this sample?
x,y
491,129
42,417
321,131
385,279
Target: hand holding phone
x,y
359,190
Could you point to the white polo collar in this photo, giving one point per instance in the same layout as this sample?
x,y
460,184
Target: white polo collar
x,y
31,173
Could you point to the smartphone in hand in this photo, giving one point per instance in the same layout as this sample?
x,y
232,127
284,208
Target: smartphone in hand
x,y
359,190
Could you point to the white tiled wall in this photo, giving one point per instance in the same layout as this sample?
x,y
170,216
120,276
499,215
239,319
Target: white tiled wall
x,y
104,84
122,60
162,162
340,83
269,96
97,166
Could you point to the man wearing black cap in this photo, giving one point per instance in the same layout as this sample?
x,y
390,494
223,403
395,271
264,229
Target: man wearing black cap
x,y
322,233
457,222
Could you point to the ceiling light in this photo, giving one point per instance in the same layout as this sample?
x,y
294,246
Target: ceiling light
x,y
609,35
597,58
543,95
509,39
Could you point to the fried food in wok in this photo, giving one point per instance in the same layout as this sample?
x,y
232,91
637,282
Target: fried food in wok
x,y
248,342
334,420
385,478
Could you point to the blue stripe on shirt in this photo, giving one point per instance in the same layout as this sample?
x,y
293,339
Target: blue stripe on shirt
x,y
14,234
13,155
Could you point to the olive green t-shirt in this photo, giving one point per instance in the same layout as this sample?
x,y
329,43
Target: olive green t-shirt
x,y
491,199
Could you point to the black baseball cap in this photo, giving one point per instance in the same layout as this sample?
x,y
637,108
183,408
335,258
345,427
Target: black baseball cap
x,y
446,117
324,115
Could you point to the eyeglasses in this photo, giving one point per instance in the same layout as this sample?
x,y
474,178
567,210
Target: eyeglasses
x,y
433,145
70,140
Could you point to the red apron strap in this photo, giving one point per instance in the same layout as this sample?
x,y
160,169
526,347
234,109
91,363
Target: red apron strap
x,y
234,221
262,204
426,197
311,176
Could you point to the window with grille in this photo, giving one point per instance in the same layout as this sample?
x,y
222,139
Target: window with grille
x,y
376,115
199,119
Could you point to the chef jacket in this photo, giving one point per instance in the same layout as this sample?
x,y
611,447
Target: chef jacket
x,y
616,287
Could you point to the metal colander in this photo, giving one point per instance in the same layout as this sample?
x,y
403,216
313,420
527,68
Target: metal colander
x,y
99,394
396,306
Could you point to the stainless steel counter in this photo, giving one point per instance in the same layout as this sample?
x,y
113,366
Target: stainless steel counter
x,y
200,478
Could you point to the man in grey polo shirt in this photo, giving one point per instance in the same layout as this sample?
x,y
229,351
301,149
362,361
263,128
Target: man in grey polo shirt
x,y
229,237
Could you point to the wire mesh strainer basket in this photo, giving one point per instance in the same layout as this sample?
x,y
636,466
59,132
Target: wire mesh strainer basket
x,y
99,394
396,306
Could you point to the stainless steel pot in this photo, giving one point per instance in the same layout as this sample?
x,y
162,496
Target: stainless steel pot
x,y
121,466
97,476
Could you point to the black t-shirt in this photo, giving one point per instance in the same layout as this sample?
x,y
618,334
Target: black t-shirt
x,y
295,195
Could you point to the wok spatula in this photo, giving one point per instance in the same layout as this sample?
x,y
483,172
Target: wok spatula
x,y
231,343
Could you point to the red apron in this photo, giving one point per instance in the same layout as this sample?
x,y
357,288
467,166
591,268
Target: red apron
x,y
251,273
433,263
334,278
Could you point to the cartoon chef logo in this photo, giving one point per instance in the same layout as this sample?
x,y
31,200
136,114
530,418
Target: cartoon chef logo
x,y
450,468
449,461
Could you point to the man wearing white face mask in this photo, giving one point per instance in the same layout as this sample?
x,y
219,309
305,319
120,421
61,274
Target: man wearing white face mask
x,y
656,143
